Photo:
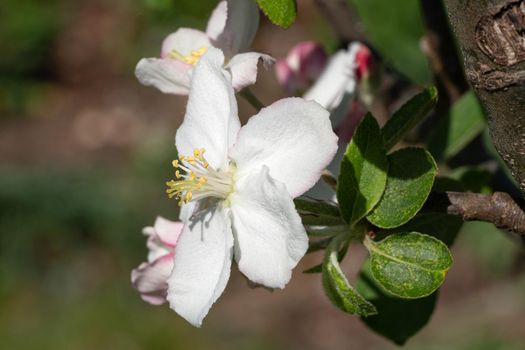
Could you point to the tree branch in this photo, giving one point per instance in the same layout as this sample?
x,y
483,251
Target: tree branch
x,y
498,208
490,36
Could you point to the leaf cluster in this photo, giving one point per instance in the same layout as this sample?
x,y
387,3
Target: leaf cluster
x,y
380,195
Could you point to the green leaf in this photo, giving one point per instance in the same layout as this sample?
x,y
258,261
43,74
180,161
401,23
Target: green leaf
x,y
319,244
395,28
315,212
411,173
409,265
397,319
337,287
320,220
458,128
442,226
316,207
408,116
280,12
362,178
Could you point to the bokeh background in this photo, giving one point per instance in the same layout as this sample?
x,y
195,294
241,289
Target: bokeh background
x,y
85,151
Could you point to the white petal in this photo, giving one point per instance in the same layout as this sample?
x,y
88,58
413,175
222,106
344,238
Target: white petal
x,y
238,31
184,41
293,138
217,20
211,120
187,210
337,79
270,238
169,76
202,265
243,68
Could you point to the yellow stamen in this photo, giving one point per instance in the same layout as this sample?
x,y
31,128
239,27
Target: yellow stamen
x,y
196,179
192,58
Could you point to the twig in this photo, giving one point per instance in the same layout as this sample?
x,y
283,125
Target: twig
x,y
498,208
251,99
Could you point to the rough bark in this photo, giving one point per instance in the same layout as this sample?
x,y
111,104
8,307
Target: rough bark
x,y
491,37
498,208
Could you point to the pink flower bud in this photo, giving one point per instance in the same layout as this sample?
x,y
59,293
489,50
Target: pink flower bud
x,y
150,278
301,67
364,62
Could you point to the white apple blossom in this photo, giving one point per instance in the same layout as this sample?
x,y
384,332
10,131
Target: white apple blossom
x,y
335,88
236,186
231,27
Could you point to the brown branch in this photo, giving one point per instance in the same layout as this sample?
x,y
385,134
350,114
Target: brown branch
x,y
498,208
489,34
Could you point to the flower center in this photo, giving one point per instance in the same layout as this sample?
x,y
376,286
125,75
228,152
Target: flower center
x,y
196,179
192,58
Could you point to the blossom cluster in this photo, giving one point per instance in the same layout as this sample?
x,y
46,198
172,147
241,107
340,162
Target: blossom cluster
x,y
236,184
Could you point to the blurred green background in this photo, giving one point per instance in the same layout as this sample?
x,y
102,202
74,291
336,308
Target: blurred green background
x,y
85,151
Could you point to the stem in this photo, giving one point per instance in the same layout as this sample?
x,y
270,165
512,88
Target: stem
x,y
369,243
498,208
329,179
251,99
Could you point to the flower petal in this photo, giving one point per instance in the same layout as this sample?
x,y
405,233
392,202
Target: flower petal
x,y
312,59
243,68
184,41
293,138
211,120
238,32
168,231
162,237
270,238
202,265
336,80
169,76
149,279
217,20
287,78
187,210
